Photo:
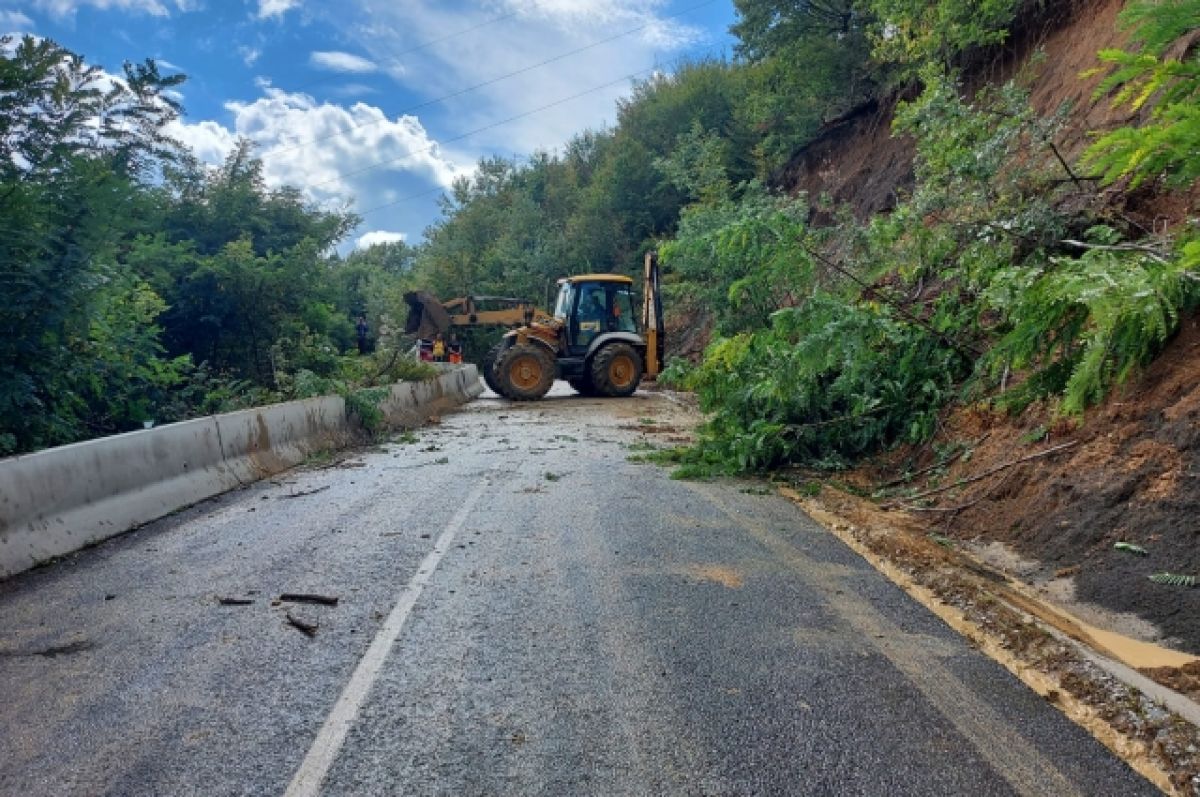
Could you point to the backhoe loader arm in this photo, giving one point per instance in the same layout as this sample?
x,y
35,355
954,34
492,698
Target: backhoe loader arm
x,y
428,317
652,320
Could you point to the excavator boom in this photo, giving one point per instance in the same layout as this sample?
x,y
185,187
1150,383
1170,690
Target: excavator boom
x,y
428,317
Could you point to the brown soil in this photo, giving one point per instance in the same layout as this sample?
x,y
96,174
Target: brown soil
x,y
688,329
1185,679
856,162
1132,478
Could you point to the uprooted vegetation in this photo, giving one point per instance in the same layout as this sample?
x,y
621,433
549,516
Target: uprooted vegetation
x,y
1032,282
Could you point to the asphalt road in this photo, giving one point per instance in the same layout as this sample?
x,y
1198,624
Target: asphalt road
x,y
522,611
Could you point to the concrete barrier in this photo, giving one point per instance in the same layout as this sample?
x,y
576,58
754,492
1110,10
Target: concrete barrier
x,y
259,442
411,403
59,500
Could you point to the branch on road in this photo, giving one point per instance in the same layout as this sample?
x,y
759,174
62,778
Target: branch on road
x,y
308,629
303,493
306,597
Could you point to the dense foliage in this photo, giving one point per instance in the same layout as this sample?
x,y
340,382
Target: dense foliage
x,y
1169,83
138,286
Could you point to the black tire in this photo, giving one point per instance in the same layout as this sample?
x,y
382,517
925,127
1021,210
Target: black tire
x,y
616,370
489,367
525,371
583,386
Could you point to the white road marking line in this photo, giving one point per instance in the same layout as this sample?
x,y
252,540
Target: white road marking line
x,y
316,765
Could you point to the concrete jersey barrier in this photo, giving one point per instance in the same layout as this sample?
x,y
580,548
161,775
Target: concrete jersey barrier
x,y
62,499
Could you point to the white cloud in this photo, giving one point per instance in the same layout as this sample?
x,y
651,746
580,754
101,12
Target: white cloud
x,y
376,237
441,49
250,55
354,90
275,8
15,21
208,140
331,152
67,8
619,15
341,62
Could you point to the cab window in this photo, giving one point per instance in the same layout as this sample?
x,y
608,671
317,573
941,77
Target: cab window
x,y
562,306
591,313
622,310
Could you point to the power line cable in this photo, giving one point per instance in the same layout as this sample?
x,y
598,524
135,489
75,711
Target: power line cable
x,y
423,46
484,84
437,189
539,109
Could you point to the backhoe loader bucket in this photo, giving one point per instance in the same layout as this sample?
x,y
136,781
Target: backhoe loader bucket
x,y
426,315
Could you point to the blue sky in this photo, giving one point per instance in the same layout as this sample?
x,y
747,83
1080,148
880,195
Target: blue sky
x,y
381,103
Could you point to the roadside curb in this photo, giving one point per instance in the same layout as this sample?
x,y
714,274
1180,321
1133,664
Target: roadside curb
x,y
59,500
1140,754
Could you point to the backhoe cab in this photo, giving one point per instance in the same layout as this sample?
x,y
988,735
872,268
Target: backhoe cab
x,y
596,340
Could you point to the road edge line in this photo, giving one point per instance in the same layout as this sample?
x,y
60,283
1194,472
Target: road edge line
x,y
1041,683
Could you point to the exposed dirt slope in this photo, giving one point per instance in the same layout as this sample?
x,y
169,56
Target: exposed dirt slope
x,y
1133,473
856,161
1132,477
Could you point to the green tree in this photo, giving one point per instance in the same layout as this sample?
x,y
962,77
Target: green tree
x,y
77,334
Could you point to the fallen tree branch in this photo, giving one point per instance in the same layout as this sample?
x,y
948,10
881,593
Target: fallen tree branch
x,y
797,427
986,473
966,350
1063,162
306,597
234,601
909,477
1154,254
308,629
303,493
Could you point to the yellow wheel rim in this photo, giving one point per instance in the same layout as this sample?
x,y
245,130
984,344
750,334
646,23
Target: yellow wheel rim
x,y
621,371
526,372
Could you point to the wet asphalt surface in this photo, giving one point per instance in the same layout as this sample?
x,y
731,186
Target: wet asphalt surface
x,y
591,627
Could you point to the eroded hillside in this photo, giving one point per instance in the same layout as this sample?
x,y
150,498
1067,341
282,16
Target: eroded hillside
x,y
1129,471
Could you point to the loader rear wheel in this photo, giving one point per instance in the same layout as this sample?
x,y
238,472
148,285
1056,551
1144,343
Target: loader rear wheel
x,y
525,372
489,367
616,370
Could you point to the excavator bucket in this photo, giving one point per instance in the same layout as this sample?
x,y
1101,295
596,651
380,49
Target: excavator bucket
x,y
426,315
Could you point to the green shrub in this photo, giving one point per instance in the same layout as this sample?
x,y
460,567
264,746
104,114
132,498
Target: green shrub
x,y
1167,144
1086,323
828,381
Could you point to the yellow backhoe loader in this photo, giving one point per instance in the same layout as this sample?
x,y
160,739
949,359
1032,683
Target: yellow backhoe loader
x,y
428,317
594,339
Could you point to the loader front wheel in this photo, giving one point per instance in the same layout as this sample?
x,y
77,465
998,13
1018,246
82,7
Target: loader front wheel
x,y
616,370
525,372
